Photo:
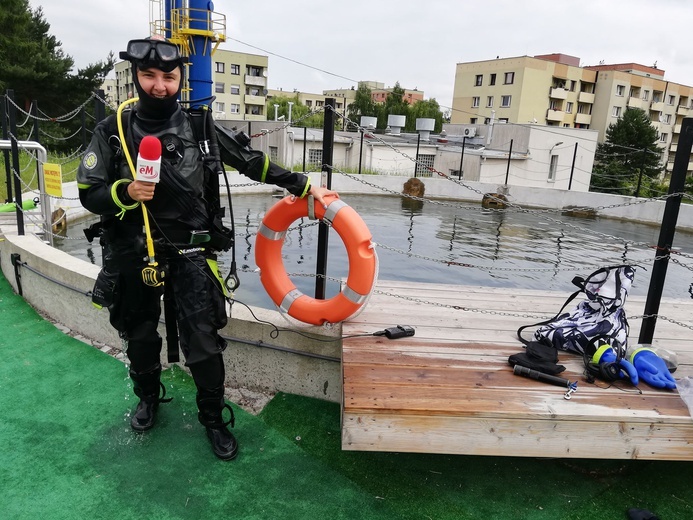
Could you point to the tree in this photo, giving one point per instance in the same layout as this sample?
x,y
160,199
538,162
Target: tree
x,y
628,154
33,64
429,109
394,105
363,105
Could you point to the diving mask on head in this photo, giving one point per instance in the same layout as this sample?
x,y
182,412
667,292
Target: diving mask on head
x,y
146,53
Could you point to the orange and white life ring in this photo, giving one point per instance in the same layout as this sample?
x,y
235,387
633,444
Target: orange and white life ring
x,y
360,252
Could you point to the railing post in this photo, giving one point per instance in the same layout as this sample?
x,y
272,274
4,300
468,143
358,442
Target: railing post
x,y
6,153
325,182
15,162
666,232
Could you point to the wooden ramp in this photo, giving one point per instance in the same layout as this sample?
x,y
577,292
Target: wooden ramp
x,y
449,389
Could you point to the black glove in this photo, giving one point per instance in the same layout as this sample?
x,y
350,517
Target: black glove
x,y
538,356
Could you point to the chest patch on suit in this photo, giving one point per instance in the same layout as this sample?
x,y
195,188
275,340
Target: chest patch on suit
x,y
172,147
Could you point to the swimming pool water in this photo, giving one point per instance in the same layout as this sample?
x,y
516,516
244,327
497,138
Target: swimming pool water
x,y
426,242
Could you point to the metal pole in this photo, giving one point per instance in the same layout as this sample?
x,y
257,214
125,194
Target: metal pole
x,y
507,170
642,167
416,164
666,232
572,167
464,143
305,144
99,107
361,150
15,164
6,153
325,182
84,128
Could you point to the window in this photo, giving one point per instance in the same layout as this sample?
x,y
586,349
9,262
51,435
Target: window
x,y
573,84
489,102
671,100
475,102
509,78
252,70
218,107
319,103
235,69
645,95
219,66
252,91
472,120
478,81
219,88
315,156
569,107
554,104
505,101
616,112
422,166
253,110
663,138
235,108
552,168
492,81
309,103
657,96
665,118
235,89
502,119
620,90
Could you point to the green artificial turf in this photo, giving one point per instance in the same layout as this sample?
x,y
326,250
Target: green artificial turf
x,y
67,452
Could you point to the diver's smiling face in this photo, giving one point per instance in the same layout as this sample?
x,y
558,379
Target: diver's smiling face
x,y
159,84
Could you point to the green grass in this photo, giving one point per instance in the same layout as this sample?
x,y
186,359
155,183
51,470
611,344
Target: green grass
x,y
29,175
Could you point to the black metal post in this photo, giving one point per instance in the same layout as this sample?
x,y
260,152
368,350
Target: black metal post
x,y
464,143
642,167
305,143
666,232
416,164
507,169
572,167
326,182
34,114
15,162
361,150
6,153
99,107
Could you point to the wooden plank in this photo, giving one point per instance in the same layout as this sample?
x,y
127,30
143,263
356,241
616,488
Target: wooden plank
x,y
450,389
517,437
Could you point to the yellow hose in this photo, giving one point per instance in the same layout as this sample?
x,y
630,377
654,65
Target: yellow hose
x,y
126,151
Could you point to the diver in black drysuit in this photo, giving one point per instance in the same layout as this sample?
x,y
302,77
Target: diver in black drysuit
x,y
178,209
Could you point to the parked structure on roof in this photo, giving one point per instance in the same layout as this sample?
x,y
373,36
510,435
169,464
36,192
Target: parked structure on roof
x,y
554,90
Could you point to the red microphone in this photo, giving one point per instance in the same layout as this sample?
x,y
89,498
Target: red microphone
x,y
149,159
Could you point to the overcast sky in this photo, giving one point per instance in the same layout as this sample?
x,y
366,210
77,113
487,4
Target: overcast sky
x,y
415,43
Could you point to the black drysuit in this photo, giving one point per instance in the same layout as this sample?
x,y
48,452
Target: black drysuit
x,y
178,208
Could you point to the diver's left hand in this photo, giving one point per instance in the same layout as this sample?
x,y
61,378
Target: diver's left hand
x,y
319,193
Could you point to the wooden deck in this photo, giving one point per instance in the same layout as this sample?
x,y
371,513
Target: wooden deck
x,y
449,389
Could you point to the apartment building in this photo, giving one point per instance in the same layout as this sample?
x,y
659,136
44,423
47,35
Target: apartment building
x,y
554,90
312,100
239,84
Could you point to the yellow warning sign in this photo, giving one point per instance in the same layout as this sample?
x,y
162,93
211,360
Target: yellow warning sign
x,y
53,178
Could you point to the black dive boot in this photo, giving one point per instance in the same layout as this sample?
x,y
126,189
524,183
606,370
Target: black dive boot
x,y
146,386
211,405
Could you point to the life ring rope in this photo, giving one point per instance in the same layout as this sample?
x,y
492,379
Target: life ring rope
x,y
357,239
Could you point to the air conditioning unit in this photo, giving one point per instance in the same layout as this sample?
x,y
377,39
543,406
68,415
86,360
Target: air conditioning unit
x,y
469,132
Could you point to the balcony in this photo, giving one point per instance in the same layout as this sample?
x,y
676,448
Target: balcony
x,y
657,106
555,115
254,100
583,119
255,117
257,81
682,111
585,97
677,129
635,102
558,93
